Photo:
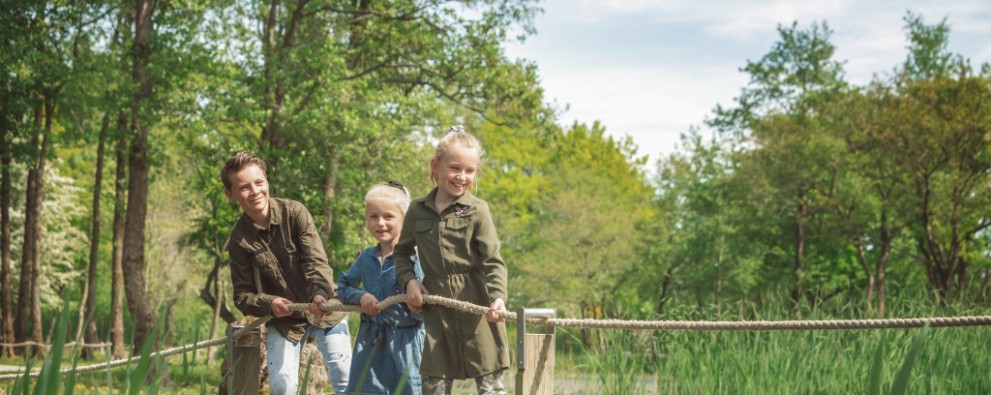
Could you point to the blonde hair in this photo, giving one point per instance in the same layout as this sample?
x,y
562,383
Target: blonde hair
x,y
454,137
391,192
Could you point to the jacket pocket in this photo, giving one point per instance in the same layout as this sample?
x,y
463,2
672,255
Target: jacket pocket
x,y
268,265
458,224
424,225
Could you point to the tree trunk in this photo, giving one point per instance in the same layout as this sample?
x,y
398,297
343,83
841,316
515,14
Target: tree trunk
x,y
799,270
665,287
211,351
938,269
210,293
117,285
6,304
586,339
982,292
719,273
329,193
46,143
137,188
882,261
278,41
355,40
22,318
216,299
274,97
88,311
880,287
30,250
94,249
865,264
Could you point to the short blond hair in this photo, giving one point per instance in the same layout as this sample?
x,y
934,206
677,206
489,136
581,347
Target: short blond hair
x,y
391,192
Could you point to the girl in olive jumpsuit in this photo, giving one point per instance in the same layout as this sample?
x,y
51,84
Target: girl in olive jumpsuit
x,y
452,233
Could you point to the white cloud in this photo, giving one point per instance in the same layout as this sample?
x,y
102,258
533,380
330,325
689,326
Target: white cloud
x,y
652,105
653,99
737,20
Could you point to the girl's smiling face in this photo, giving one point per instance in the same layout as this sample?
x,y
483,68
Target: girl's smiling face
x,y
455,171
384,221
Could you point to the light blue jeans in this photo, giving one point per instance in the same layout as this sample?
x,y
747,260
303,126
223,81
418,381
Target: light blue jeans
x,y
283,358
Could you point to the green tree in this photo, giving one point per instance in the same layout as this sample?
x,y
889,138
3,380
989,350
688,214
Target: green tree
x,y
166,45
590,211
704,242
927,49
340,109
44,36
943,150
15,98
777,114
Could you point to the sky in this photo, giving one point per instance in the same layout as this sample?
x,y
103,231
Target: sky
x,y
651,69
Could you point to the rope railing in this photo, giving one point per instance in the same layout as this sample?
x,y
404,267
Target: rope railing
x,y
671,325
49,346
663,325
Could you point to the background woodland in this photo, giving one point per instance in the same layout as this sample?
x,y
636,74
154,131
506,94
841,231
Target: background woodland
x,y
807,193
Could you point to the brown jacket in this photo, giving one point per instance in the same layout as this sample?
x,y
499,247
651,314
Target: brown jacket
x,y
459,252
290,262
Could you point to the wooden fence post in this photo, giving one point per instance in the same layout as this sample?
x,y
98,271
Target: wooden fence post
x,y
245,359
534,355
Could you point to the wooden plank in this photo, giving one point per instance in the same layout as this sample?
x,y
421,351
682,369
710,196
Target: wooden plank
x,y
245,355
538,376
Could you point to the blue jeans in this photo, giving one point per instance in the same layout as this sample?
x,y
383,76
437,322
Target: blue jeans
x,y
283,358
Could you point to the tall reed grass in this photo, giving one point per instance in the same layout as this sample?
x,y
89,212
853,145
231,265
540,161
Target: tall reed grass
x,y
142,377
882,361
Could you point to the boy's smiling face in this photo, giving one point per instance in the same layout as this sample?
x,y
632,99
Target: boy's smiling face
x,y
249,188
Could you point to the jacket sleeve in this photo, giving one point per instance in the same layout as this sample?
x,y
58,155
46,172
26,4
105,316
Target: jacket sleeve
x,y
313,259
247,297
488,248
406,250
348,285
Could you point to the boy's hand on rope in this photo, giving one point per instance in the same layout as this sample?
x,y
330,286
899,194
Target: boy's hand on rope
x,y
314,306
414,295
369,304
497,306
280,307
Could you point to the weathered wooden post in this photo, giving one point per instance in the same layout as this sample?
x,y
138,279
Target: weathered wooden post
x,y
245,359
534,355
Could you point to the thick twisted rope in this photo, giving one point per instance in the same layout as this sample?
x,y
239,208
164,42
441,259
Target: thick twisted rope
x,y
685,325
669,325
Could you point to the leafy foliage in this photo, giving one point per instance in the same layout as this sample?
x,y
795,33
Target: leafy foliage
x,y
840,197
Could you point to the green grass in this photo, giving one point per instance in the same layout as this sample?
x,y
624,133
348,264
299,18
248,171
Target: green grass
x,y
883,361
